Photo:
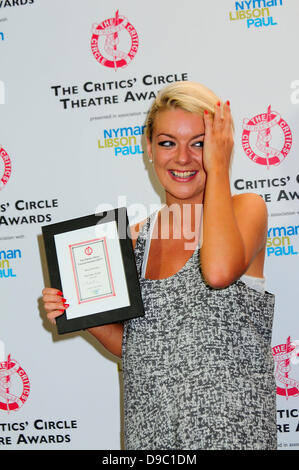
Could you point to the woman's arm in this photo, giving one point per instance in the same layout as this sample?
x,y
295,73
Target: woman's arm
x,y
234,228
110,336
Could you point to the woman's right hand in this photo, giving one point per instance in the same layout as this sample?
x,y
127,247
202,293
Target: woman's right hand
x,y
54,303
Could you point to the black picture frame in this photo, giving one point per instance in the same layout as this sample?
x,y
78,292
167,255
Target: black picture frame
x,y
135,309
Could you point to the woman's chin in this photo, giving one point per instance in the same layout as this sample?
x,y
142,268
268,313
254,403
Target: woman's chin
x,y
185,195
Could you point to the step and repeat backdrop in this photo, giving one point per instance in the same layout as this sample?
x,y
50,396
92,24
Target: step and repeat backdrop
x,y
76,81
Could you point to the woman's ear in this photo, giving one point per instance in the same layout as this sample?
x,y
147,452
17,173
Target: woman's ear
x,y
149,149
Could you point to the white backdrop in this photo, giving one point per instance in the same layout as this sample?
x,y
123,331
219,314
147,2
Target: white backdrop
x,y
61,106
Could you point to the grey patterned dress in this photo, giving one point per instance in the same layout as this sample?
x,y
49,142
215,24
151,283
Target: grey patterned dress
x,y
198,368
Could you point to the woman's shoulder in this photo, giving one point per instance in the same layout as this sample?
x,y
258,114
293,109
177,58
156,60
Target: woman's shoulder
x,y
250,202
251,212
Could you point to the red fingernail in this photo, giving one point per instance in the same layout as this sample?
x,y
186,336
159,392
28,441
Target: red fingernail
x,y
228,103
66,305
59,292
206,112
218,104
63,300
60,310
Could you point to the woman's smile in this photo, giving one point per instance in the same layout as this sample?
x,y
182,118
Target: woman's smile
x,y
182,176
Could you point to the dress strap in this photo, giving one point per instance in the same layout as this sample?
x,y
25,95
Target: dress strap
x,y
151,223
140,245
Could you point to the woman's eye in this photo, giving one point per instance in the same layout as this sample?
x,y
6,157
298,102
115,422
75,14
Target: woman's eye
x,y
198,144
166,143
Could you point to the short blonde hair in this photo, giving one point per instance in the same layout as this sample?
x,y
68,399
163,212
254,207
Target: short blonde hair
x,y
189,96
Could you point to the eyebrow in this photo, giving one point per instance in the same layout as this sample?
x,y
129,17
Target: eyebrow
x,y
172,137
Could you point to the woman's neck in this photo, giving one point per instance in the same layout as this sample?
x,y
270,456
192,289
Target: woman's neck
x,y
180,220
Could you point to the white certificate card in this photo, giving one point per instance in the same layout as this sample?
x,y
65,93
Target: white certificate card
x,y
91,270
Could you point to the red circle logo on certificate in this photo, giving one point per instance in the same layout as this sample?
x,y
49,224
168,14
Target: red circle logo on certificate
x,y
5,167
114,42
14,385
286,358
266,138
88,251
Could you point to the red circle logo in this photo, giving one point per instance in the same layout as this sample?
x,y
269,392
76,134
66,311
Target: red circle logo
x,y
5,172
14,385
285,357
258,134
111,34
88,251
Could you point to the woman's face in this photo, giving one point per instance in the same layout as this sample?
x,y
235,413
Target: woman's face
x,y
177,150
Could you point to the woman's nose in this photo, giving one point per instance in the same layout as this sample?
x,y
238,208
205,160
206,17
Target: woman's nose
x,y
183,155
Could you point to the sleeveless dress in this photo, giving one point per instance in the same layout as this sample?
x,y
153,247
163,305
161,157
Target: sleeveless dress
x,y
198,368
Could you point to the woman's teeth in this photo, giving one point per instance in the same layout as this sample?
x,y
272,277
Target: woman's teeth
x,y
182,174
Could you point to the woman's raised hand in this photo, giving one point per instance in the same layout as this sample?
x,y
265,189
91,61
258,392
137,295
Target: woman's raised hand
x,y
54,303
218,142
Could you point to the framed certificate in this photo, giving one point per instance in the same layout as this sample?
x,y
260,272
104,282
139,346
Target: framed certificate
x,y
91,260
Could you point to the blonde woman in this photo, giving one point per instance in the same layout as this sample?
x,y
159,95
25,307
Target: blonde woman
x,y
198,368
